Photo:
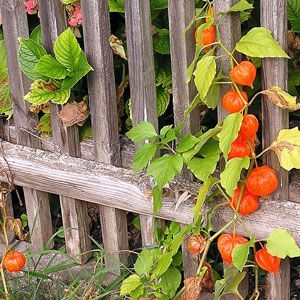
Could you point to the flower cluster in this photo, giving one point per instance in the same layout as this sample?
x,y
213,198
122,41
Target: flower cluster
x,y
32,6
75,14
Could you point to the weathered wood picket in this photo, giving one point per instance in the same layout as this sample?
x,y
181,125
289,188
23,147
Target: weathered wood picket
x,y
99,171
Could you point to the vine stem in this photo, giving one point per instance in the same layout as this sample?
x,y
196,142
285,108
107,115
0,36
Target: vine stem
x,y
204,255
4,224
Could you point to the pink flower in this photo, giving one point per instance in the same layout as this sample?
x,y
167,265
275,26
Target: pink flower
x,y
31,6
75,17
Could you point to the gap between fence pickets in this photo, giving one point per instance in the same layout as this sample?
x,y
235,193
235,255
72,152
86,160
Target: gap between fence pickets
x,y
117,187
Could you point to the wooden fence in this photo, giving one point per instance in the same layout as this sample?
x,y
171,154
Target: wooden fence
x,y
99,171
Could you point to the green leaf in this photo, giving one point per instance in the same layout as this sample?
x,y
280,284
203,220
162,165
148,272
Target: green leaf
x,y
130,284
196,101
161,41
157,199
210,148
158,4
81,68
187,156
163,263
165,168
143,155
240,6
3,63
202,168
294,81
240,254
191,67
280,243
144,262
50,67
67,50
213,95
188,142
293,12
203,191
229,284
170,281
232,173
116,6
162,101
138,292
287,148
44,124
5,99
36,34
141,132
229,132
204,75
42,96
69,1
29,54
258,42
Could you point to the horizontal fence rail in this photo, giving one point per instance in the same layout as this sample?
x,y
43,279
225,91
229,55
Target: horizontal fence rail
x,y
99,170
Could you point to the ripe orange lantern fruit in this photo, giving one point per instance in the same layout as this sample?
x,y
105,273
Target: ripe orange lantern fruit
x,y
248,204
262,181
244,73
249,127
232,101
196,244
207,37
267,261
226,243
14,261
241,148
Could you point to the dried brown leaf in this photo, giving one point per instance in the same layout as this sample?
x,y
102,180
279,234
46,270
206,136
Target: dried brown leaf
x,y
117,46
45,108
15,225
193,288
281,98
74,113
293,41
207,280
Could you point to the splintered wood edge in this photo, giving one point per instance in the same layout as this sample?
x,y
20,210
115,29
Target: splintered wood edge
x,y
118,187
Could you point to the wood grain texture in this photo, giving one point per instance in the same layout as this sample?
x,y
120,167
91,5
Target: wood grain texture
x,y
74,212
230,31
141,76
103,104
182,53
14,26
273,15
119,188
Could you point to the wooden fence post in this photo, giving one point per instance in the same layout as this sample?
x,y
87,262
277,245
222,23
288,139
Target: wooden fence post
x,y
103,103
37,203
74,212
182,54
273,16
142,78
230,32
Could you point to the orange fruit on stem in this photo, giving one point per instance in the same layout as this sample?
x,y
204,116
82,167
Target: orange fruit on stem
x,y
232,101
196,244
226,243
208,36
249,127
262,181
14,261
243,73
248,204
267,261
240,148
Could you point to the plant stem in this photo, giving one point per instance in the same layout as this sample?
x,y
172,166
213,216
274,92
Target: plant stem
x,y
4,215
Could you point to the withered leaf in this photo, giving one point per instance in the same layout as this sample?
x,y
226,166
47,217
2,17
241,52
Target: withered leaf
x,y
117,46
281,98
207,280
293,41
16,226
74,113
45,108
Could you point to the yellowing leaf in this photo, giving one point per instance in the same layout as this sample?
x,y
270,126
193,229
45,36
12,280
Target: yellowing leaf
x,y
281,98
117,46
287,148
